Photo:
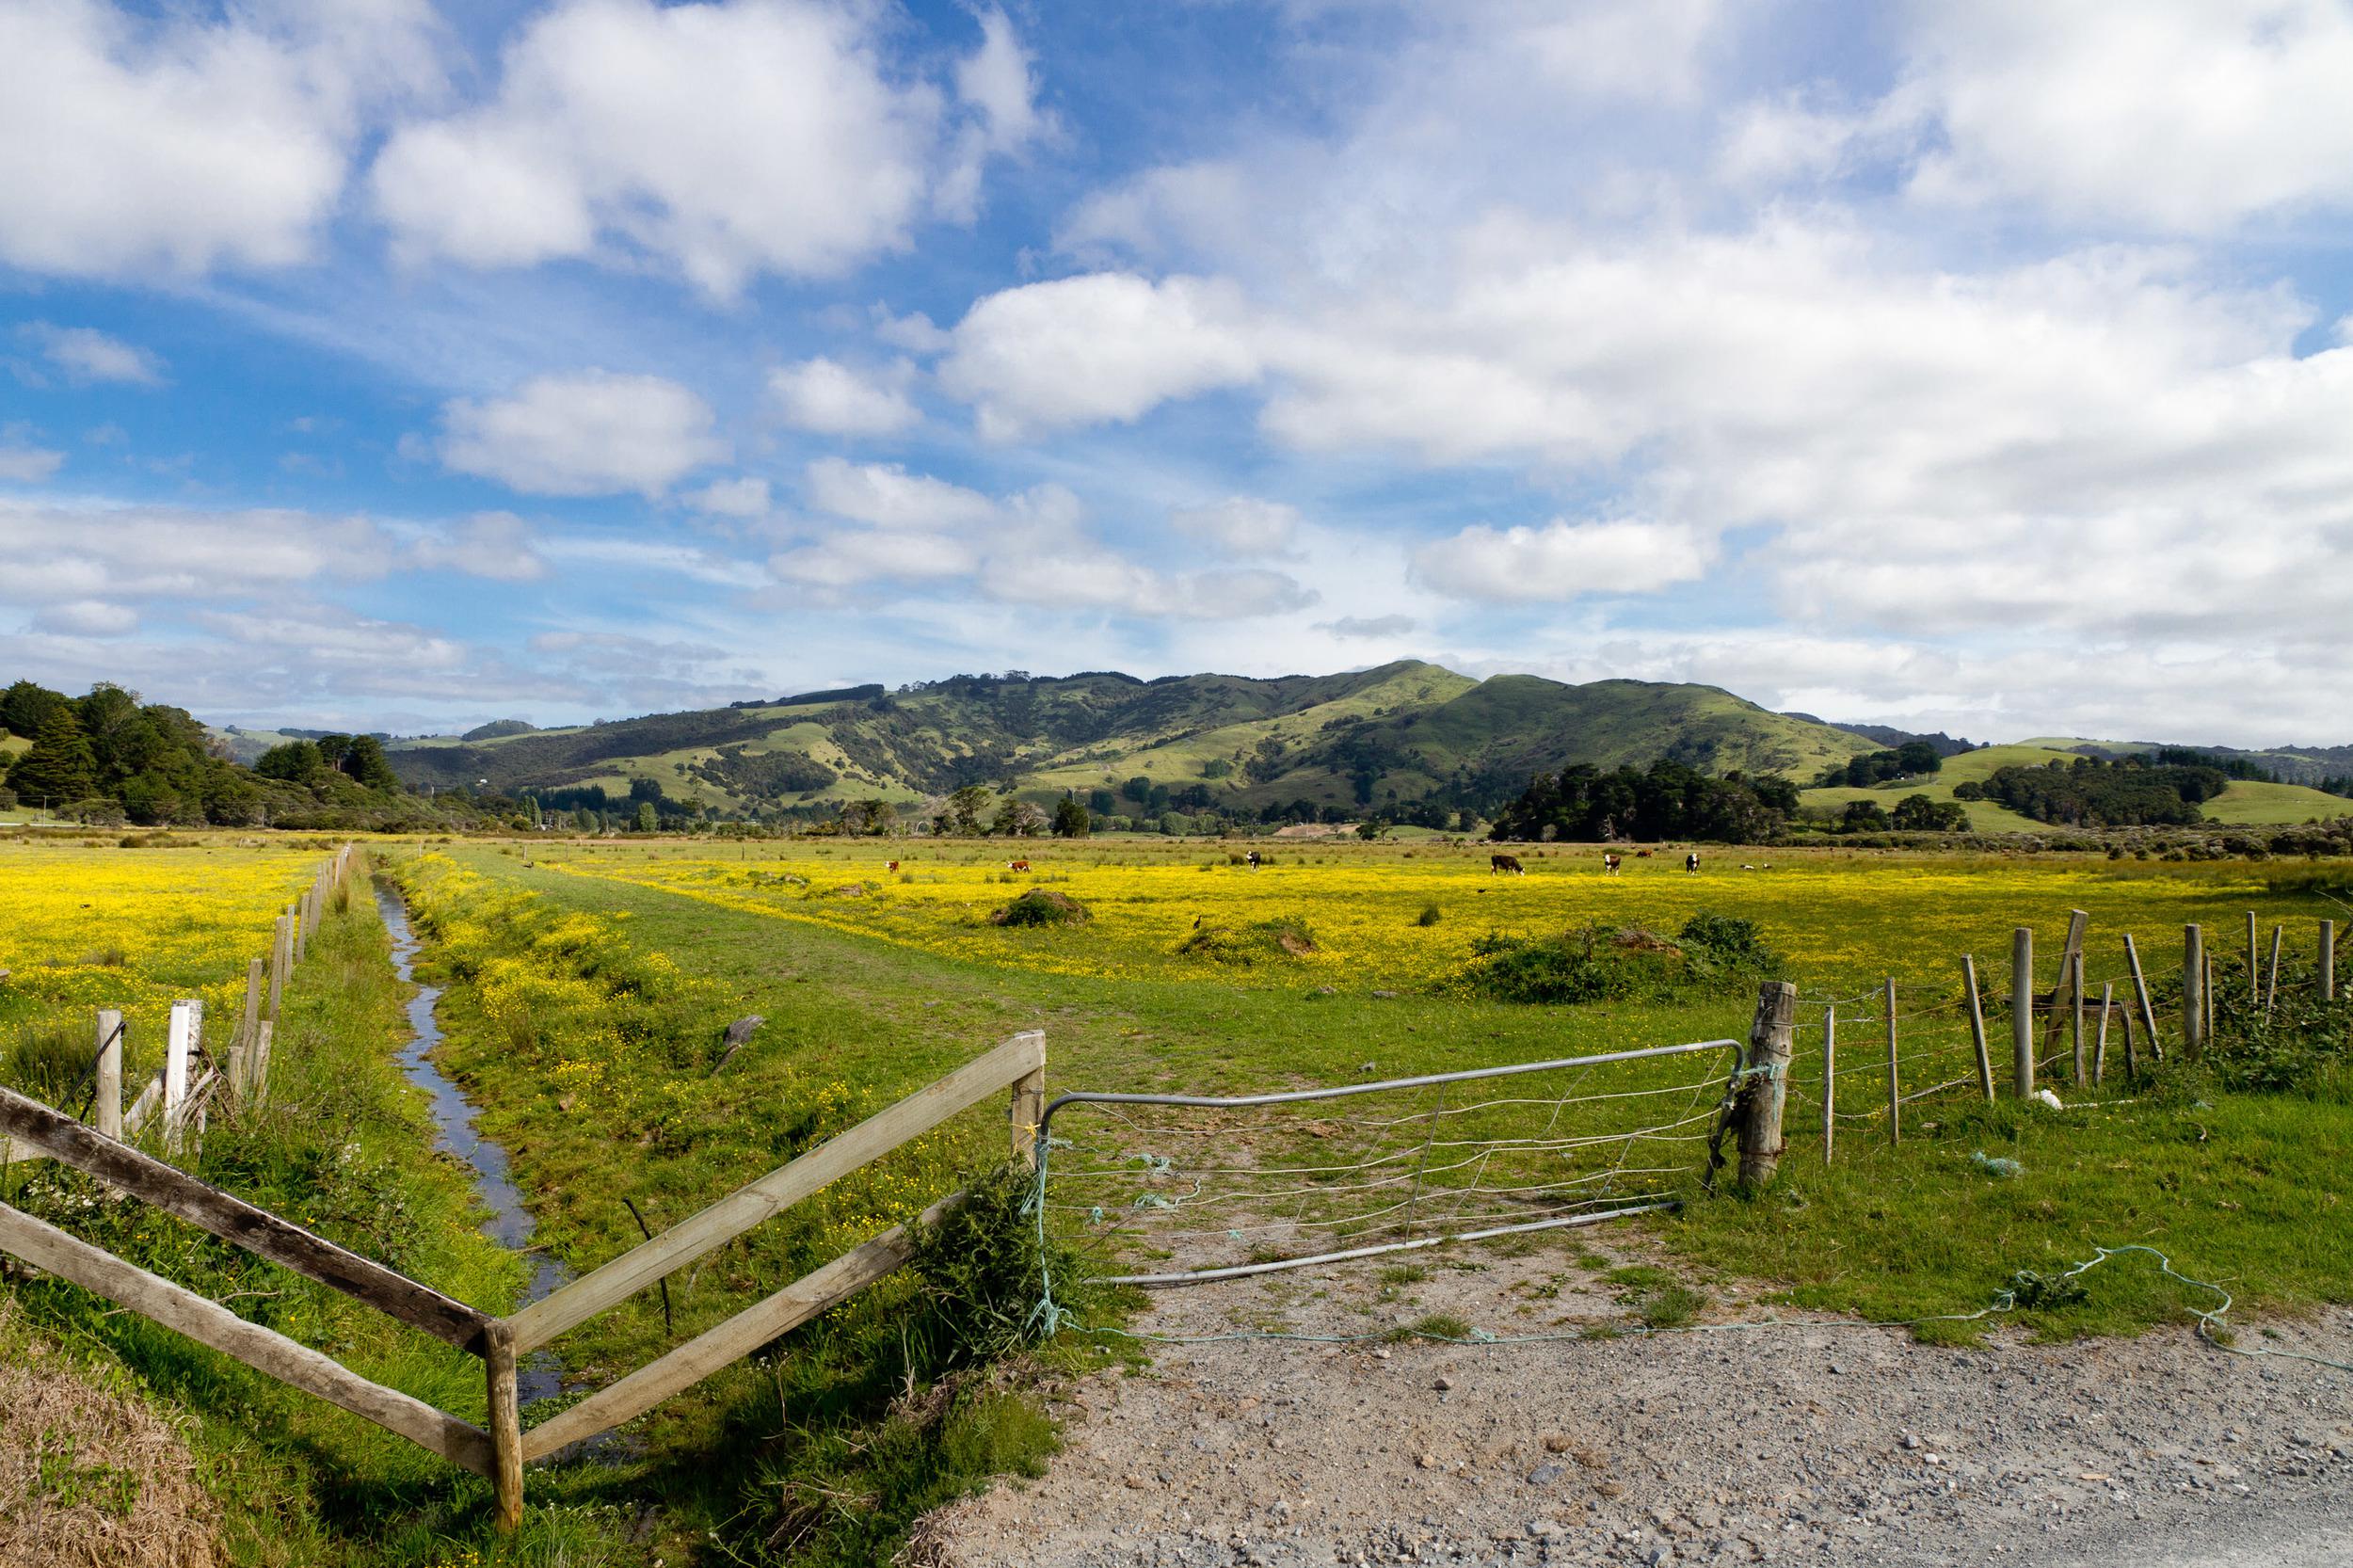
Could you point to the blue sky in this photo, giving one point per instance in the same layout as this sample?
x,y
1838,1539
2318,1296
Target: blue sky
x,y
1983,367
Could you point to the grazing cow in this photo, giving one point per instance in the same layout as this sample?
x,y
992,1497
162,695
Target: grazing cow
x,y
1506,863
1642,855
1254,859
1609,863
1016,865
894,865
1691,864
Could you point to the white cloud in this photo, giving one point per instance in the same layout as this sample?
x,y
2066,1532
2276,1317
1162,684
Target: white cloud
x,y
496,545
86,617
2182,115
587,433
175,144
996,83
1240,525
732,498
635,557
727,140
887,496
59,552
1370,627
856,555
86,355
1563,560
832,399
1103,347
916,333
21,461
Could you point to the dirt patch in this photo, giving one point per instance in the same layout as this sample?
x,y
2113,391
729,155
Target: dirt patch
x,y
1817,1442
91,1475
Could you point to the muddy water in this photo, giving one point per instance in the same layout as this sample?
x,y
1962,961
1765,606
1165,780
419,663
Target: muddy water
x,y
454,1134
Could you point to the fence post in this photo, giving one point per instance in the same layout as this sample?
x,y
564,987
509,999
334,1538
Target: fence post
x,y
107,1109
259,1069
188,1017
2193,991
1765,1090
248,1025
2021,1012
1029,1109
2328,960
2100,1051
2271,980
2132,1058
1830,1081
2147,1013
1895,1087
2076,988
2078,922
2254,970
280,959
1977,1026
506,1420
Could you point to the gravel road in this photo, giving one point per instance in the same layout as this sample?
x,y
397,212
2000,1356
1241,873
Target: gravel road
x,y
1818,1443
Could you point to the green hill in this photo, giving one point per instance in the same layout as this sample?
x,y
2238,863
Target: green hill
x,y
2244,803
1402,733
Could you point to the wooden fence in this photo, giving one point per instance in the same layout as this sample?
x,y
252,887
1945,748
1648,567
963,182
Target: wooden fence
x,y
501,1452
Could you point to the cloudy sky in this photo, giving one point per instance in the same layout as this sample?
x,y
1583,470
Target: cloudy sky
x,y
1985,366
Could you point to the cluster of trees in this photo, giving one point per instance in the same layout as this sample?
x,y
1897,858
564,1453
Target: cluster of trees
x,y
2089,791
1667,800
1908,760
1913,815
108,756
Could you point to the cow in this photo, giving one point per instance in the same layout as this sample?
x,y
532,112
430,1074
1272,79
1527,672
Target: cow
x,y
1642,855
1254,859
1609,863
1506,863
1016,865
1691,864
894,865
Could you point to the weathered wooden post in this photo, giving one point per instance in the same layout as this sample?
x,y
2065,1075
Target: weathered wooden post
x,y
2148,1012
2021,1012
260,1061
280,960
2078,922
2253,973
2100,1051
180,1044
1977,1026
1895,1086
2328,960
2193,991
1029,1109
2132,1058
507,1432
107,1110
1830,1081
2075,990
248,1027
1765,1086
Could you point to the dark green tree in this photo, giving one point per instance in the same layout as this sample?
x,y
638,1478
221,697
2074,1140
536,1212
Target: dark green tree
x,y
295,761
1863,816
364,760
25,707
1070,819
60,766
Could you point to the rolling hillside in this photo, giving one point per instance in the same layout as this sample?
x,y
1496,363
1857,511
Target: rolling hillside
x,y
2242,804
1403,732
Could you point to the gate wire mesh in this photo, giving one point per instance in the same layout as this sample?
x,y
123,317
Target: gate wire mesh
x,y
1208,1187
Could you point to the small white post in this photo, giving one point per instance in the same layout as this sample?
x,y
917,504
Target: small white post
x,y
187,1025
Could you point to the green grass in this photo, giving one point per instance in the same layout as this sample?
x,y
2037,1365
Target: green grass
x,y
345,1146
2241,803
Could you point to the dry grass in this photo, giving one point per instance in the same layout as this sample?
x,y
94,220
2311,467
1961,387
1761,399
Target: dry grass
x,y
88,1474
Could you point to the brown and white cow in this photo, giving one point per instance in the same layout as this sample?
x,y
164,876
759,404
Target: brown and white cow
x,y
1506,863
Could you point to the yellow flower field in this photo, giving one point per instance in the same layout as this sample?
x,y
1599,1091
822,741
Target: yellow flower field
x,y
84,927
1841,920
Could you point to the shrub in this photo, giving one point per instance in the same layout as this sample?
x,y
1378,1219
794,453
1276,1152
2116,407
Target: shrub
x,y
1041,907
1261,943
1429,914
1713,954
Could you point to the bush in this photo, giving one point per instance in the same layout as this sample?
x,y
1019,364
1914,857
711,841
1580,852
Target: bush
x,y
1429,914
1041,907
1262,942
1713,954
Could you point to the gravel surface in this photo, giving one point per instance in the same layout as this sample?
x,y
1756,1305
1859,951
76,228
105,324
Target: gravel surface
x,y
1822,1442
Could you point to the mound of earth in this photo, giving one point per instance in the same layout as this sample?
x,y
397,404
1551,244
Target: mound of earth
x,y
1261,941
1041,907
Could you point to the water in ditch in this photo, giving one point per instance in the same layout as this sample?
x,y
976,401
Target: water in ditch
x,y
455,1133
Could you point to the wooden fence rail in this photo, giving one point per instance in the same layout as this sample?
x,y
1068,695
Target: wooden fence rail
x,y
1017,1066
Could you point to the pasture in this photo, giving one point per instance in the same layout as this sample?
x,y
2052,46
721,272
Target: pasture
x,y
590,983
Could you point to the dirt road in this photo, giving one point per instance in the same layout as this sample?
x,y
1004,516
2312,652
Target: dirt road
x,y
1821,1443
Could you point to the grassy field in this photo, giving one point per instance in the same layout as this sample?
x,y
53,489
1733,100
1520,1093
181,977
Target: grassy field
x,y
2241,803
590,984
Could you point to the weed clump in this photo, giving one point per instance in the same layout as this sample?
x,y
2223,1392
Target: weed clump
x,y
1429,915
1259,942
1712,954
1041,907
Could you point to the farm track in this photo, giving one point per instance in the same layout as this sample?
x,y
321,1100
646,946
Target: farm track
x,y
1820,1444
